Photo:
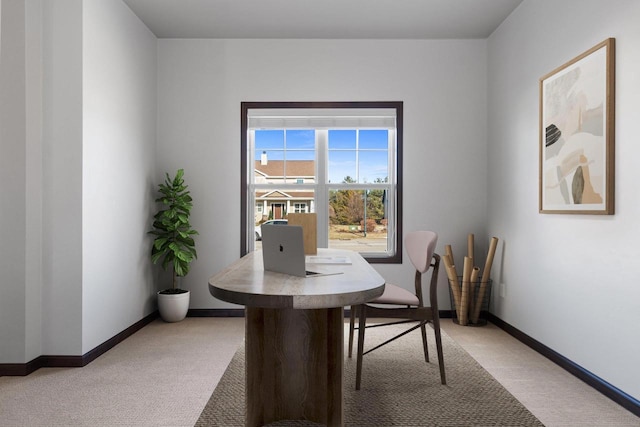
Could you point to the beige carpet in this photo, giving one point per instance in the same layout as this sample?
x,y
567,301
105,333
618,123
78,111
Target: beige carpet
x,y
398,389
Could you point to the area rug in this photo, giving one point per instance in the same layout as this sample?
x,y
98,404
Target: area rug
x,y
398,389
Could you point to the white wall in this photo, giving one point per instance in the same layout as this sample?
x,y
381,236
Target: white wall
x,y
569,281
118,178
78,122
12,182
442,84
62,178
33,188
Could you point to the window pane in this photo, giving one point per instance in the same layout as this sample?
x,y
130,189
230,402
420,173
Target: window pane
x,y
273,206
300,156
277,203
373,166
284,156
367,163
347,219
269,139
342,156
342,166
342,139
374,139
301,139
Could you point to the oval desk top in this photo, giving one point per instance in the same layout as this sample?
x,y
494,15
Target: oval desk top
x,y
246,283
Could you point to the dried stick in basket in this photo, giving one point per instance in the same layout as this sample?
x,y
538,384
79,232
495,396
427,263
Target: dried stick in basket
x,y
486,274
449,251
464,301
453,281
472,287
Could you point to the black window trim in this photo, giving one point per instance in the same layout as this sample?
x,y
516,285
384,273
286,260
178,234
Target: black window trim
x,y
245,106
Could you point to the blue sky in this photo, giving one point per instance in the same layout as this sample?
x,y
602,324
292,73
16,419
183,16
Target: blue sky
x,y
370,150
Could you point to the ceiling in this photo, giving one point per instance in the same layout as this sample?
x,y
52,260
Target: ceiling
x,y
323,19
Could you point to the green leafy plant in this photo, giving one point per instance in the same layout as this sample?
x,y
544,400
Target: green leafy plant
x,y
174,243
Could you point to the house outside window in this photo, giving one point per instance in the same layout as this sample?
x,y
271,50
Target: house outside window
x,y
259,211
339,160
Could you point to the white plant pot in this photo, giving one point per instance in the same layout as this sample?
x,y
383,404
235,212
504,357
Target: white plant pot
x,y
173,307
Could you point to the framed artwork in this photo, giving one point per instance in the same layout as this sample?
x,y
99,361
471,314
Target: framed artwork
x,y
577,134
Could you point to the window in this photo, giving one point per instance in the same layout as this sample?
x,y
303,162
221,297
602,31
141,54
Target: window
x,y
342,161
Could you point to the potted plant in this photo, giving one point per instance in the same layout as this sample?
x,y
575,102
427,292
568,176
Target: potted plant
x,y
173,244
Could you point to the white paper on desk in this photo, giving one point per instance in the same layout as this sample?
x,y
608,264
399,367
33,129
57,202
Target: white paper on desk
x,y
318,259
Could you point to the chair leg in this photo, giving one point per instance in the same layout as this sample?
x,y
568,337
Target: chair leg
x,y
436,329
423,330
352,319
362,313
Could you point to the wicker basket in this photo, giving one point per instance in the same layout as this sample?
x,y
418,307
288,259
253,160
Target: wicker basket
x,y
476,317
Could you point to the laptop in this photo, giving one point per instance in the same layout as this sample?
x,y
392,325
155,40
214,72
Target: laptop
x,y
283,251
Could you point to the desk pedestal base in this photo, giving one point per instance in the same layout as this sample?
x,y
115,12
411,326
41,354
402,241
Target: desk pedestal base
x,y
294,365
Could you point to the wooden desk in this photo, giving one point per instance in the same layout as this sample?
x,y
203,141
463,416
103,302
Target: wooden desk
x,y
294,334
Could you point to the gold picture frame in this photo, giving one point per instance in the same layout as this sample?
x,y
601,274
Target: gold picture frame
x,y
577,120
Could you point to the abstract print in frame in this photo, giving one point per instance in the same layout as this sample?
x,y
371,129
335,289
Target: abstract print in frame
x,y
577,134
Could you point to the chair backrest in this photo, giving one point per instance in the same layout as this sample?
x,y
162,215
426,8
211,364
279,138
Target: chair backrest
x,y
420,246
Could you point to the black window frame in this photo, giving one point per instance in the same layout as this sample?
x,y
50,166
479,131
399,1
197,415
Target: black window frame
x,y
245,106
